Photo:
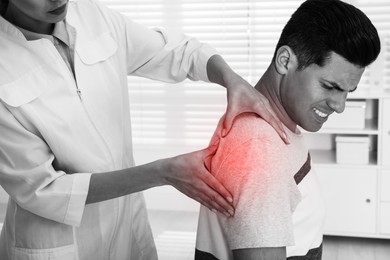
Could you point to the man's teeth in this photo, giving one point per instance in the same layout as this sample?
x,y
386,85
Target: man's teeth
x,y
321,114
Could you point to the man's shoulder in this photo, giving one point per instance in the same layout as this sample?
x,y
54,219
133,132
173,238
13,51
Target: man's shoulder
x,y
251,126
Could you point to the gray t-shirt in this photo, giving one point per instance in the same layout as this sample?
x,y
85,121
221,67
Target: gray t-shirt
x,y
263,174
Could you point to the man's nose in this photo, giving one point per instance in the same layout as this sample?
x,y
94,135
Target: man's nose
x,y
337,101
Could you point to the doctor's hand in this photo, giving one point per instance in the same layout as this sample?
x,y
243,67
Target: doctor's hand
x,y
242,97
188,174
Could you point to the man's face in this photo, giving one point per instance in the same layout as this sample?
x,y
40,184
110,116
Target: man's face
x,y
309,96
27,13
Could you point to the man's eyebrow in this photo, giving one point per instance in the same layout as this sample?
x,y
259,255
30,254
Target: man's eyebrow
x,y
337,86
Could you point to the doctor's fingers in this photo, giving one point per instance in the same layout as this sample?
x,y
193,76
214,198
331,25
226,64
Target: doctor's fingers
x,y
258,104
264,111
214,195
196,184
189,175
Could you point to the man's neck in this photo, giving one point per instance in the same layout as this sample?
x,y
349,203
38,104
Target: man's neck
x,y
269,86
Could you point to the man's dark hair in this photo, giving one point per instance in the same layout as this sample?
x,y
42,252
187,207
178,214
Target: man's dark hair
x,y
319,27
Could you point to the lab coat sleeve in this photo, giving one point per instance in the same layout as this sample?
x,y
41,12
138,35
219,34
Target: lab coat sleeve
x,y
28,176
174,57
159,54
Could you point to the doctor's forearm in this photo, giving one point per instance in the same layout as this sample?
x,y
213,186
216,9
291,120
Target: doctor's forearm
x,y
185,172
218,71
109,185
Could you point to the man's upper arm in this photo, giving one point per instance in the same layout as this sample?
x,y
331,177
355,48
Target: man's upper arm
x,y
250,164
263,215
264,253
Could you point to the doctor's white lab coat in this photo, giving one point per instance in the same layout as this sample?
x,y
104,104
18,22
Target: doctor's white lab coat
x,y
52,139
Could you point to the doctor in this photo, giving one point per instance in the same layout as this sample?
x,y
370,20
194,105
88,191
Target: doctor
x,y
66,156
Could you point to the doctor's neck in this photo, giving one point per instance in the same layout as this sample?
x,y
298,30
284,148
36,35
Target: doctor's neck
x,y
34,16
25,22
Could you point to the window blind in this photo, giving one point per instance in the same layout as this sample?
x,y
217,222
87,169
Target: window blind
x,y
171,119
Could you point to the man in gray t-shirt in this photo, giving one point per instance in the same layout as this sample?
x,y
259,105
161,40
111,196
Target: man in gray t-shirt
x,y
320,58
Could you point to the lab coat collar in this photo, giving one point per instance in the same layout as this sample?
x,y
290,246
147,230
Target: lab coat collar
x,y
66,25
33,52
21,34
10,29
59,32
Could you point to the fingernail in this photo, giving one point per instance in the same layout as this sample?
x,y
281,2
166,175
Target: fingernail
x,y
231,212
227,214
230,199
286,138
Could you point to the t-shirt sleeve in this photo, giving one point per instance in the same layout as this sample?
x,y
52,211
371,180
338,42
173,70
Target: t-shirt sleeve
x,y
265,194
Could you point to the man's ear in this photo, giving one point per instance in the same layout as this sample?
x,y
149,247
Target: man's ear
x,y
285,60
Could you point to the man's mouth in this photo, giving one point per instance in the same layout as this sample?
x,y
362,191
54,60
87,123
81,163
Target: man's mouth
x,y
320,113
